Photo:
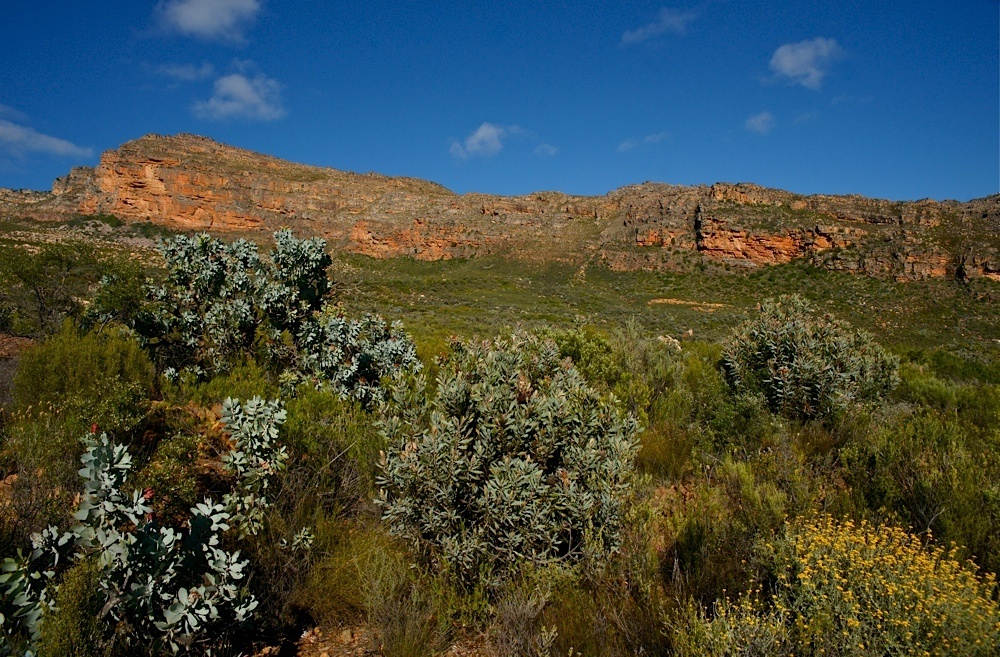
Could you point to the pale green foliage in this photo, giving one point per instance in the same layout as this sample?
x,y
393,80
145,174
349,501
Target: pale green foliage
x,y
350,357
26,588
221,301
254,459
805,365
168,588
513,459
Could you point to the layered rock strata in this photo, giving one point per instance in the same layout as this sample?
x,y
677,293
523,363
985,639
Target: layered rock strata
x,y
188,182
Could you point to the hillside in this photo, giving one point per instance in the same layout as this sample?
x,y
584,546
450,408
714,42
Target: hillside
x,y
186,182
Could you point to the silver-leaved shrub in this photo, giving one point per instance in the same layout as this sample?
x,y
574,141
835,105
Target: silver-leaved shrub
x,y
221,302
513,459
806,365
165,588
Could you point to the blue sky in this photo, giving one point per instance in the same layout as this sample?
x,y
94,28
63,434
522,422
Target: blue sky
x,y
896,99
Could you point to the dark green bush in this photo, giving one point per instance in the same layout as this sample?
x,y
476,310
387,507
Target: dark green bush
x,y
337,440
245,379
63,386
804,365
174,477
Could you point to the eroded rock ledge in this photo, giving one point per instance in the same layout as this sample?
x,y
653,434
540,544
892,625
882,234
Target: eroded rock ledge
x,y
193,183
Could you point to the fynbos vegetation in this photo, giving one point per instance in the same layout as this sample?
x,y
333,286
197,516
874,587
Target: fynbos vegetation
x,y
264,456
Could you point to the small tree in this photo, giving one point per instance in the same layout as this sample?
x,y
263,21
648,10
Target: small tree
x,y
513,459
46,285
805,365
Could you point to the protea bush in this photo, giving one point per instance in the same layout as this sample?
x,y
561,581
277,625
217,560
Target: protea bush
x,y
806,365
512,458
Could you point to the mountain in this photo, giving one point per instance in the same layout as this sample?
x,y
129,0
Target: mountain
x,y
188,182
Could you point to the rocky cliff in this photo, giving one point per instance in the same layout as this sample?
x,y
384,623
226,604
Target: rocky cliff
x,y
193,183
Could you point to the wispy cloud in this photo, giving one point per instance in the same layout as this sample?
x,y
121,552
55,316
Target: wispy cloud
x,y
186,72
546,150
486,141
7,112
17,139
635,142
760,123
806,62
238,96
668,20
225,20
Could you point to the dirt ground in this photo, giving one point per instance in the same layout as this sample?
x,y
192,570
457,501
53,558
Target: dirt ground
x,y
358,642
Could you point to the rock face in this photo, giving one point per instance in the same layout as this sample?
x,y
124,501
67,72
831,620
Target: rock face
x,y
188,182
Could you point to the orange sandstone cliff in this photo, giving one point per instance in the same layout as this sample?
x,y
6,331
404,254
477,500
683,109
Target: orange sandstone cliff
x,y
187,182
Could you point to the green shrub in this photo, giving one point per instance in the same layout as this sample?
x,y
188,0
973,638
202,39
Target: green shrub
x,y
41,451
710,528
174,477
514,459
931,472
95,378
47,285
6,314
334,591
806,366
644,374
336,441
637,369
244,379
75,626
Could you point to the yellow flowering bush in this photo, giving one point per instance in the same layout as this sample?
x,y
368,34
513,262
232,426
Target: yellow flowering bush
x,y
840,588
864,589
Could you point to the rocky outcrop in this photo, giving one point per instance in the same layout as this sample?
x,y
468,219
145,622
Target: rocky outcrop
x,y
188,182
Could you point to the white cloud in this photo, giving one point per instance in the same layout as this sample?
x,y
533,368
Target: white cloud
x,y
669,20
806,62
239,96
208,19
186,72
486,141
546,150
18,140
760,123
635,142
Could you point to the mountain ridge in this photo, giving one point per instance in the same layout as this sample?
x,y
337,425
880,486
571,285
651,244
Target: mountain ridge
x,y
189,182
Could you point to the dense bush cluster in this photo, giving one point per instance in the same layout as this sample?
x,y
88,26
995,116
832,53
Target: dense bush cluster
x,y
221,302
806,366
513,459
